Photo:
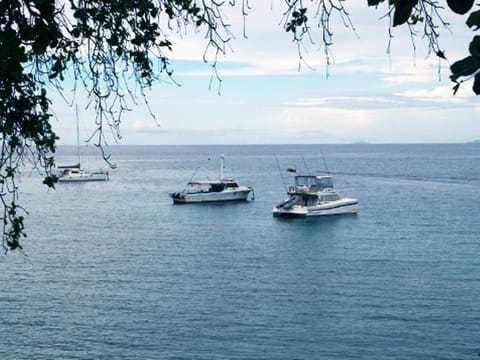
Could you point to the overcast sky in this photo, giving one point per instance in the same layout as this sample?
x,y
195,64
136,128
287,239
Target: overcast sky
x,y
368,96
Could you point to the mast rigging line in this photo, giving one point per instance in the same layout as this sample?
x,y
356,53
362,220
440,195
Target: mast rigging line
x,y
281,174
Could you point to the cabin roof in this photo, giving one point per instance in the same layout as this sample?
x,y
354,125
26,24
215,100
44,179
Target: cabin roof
x,y
212,182
313,176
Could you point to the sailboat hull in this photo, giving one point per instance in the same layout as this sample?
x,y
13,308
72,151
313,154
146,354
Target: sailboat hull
x,y
82,176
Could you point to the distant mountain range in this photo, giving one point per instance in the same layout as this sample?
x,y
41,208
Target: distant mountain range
x,y
360,142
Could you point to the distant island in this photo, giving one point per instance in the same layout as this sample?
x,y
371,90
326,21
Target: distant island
x,y
360,142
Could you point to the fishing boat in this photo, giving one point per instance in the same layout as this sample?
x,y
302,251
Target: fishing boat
x,y
75,173
314,195
224,189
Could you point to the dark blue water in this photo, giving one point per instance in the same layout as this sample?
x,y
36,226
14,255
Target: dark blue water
x,y
115,271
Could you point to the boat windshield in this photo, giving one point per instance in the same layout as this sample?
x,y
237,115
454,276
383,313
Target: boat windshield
x,y
216,187
307,181
333,197
194,187
325,182
317,183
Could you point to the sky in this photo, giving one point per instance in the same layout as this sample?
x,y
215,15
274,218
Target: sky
x,y
366,95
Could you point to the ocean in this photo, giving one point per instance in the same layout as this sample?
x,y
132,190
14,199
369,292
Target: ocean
x,y
114,270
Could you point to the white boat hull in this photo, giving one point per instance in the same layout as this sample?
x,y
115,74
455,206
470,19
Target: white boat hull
x,y
202,197
84,177
342,206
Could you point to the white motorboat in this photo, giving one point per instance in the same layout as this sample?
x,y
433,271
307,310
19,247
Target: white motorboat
x,y
225,189
211,191
314,195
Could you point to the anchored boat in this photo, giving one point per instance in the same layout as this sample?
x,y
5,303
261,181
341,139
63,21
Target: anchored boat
x,y
314,195
75,173
224,189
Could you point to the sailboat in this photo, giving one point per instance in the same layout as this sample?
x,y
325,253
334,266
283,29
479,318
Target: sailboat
x,y
75,172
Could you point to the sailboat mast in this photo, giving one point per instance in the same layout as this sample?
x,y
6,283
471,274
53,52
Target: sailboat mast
x,y
78,135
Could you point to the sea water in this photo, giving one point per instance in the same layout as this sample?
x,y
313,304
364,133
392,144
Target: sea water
x,y
114,270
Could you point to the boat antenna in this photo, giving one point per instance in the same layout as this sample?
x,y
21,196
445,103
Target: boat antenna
x,y
281,174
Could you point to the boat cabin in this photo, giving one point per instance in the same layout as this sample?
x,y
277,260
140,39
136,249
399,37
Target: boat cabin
x,y
329,197
71,172
211,186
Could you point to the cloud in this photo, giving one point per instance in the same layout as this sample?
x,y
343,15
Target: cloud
x,y
141,125
343,102
413,77
269,50
441,94
333,123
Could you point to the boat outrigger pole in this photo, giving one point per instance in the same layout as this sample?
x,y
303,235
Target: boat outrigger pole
x,y
281,174
191,178
222,161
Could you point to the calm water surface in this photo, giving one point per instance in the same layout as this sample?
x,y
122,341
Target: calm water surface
x,y
115,271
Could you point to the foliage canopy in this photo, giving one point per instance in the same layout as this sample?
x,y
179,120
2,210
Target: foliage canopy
x,y
116,48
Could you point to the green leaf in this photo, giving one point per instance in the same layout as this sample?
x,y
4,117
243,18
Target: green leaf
x,y
374,2
50,181
473,20
474,46
455,88
460,6
441,54
13,244
476,84
403,11
464,67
